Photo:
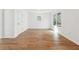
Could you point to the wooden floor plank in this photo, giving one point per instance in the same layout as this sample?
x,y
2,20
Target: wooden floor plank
x,y
37,39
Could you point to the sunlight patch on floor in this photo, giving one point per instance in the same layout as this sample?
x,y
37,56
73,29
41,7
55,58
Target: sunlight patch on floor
x,y
55,33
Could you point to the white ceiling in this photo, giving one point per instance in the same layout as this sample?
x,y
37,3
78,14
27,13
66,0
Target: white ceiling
x,y
44,10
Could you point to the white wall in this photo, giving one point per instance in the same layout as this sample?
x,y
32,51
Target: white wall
x,y
33,22
70,24
0,23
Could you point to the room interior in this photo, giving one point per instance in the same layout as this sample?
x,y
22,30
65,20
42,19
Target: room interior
x,y
39,29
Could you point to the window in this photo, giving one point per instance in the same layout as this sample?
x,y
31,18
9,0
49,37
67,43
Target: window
x,y
39,18
57,19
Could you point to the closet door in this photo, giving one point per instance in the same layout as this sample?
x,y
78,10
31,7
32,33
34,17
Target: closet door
x,y
18,21
21,17
8,23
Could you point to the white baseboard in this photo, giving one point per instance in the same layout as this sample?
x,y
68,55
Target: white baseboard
x,y
8,37
70,39
14,36
38,28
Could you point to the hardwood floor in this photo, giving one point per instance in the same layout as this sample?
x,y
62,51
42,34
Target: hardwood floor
x,y
38,39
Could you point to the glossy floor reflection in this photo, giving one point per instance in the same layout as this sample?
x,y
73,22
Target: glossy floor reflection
x,y
38,39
